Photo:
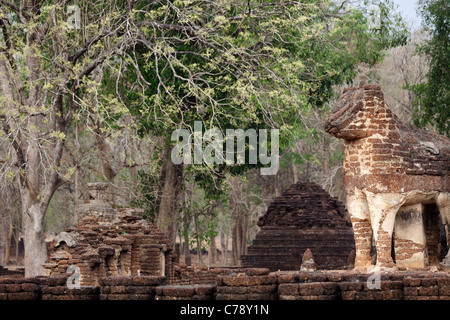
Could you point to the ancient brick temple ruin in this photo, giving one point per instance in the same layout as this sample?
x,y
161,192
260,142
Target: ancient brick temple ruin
x,y
110,242
304,217
397,180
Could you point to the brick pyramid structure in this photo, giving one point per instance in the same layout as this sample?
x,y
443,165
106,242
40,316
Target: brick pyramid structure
x,y
304,217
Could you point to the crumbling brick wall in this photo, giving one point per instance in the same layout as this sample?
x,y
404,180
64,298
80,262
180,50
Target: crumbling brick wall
x,y
110,242
378,143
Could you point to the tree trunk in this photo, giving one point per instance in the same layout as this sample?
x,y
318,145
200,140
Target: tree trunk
x,y
8,242
185,226
238,234
35,250
326,155
105,157
239,237
225,249
212,250
33,235
187,253
17,241
5,216
234,247
244,236
199,243
172,178
294,170
223,238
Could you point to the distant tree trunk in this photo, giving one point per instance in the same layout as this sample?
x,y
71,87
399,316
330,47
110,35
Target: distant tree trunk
x,y
8,243
5,222
212,250
79,188
224,243
223,238
294,171
187,253
239,237
172,178
199,243
234,247
245,215
185,234
16,253
199,251
326,155
244,234
105,157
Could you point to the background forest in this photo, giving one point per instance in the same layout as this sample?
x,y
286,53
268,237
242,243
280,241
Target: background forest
x,y
94,93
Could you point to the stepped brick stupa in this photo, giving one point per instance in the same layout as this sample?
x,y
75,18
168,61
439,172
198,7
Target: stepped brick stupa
x,y
304,217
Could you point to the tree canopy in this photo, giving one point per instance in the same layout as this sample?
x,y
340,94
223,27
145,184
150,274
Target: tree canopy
x,y
432,96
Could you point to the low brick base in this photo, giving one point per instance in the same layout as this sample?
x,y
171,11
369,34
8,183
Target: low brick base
x,y
249,284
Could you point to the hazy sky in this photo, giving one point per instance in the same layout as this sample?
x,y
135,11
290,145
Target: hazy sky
x,y
408,10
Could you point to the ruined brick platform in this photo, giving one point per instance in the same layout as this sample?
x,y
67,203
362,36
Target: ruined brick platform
x,y
250,284
304,217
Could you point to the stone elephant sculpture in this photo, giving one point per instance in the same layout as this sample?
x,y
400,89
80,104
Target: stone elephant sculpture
x,y
397,181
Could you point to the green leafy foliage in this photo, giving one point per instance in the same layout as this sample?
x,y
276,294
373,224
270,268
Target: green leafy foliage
x,y
432,97
246,64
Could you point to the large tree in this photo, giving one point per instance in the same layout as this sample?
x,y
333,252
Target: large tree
x,y
45,66
432,96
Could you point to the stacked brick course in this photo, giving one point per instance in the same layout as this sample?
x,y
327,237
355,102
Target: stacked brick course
x,y
44,288
304,217
18,289
355,286
255,284
184,275
129,287
426,288
186,292
250,284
